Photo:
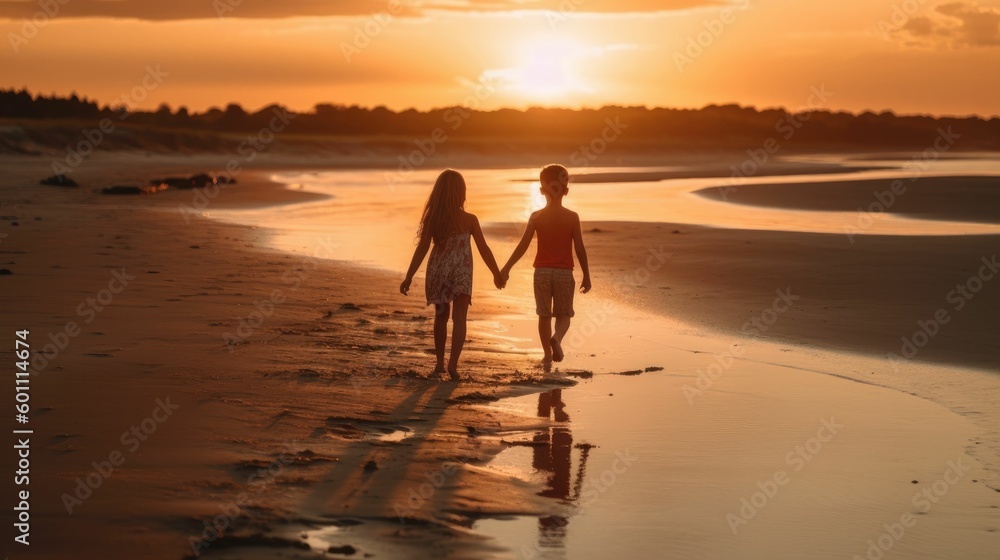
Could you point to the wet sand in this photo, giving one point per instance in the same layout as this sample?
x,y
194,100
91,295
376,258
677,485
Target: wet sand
x,y
863,297
928,198
336,375
817,476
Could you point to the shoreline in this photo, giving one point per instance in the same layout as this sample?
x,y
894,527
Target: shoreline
x,y
331,378
956,349
269,160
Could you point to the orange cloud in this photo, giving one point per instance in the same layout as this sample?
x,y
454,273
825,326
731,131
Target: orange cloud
x,y
193,9
956,24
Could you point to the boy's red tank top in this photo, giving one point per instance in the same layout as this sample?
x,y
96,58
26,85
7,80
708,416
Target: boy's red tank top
x,y
555,244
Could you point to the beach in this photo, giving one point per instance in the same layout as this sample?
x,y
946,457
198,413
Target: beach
x,y
244,356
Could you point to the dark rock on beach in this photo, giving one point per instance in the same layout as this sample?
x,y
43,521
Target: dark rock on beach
x,y
122,189
174,182
198,181
132,189
201,180
59,181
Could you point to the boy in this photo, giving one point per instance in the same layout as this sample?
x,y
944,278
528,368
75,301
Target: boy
x,y
558,233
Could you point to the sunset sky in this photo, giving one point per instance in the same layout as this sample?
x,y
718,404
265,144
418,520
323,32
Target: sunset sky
x,y
941,57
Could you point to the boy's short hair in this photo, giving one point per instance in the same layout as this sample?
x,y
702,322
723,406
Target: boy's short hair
x,y
557,176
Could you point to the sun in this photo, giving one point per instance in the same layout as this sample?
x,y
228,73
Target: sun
x,y
549,70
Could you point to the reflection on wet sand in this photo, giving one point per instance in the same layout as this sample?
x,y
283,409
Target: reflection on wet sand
x,y
553,453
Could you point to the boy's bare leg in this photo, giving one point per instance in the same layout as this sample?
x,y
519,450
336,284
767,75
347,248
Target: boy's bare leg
x,y
459,314
441,311
562,327
545,336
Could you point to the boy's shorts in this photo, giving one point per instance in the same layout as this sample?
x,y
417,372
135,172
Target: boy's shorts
x,y
554,289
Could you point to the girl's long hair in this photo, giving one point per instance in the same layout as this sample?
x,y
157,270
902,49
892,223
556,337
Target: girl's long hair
x,y
443,211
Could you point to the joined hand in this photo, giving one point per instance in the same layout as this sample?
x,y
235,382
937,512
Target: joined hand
x,y
500,280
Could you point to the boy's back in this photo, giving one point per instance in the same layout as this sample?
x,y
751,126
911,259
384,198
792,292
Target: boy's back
x,y
558,232
555,226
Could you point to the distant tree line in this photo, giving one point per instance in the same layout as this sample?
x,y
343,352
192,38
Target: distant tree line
x,y
715,126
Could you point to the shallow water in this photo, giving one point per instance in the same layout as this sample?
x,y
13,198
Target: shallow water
x,y
375,220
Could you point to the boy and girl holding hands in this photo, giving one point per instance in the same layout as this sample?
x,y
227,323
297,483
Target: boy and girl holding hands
x,y
451,230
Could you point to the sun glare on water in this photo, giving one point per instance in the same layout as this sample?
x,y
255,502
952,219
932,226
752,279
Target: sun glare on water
x,y
533,201
536,200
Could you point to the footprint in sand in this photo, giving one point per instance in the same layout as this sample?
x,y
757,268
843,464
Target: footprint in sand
x,y
359,428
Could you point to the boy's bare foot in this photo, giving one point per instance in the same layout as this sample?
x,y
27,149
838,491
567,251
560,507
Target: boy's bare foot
x,y
453,374
557,352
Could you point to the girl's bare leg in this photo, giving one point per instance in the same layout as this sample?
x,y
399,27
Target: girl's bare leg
x,y
441,311
459,315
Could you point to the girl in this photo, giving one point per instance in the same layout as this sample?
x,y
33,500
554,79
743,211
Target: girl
x,y
449,270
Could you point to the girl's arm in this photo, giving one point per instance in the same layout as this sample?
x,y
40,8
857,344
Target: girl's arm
x,y
485,252
418,257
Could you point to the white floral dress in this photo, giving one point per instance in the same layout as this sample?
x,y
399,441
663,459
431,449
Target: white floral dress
x,y
449,270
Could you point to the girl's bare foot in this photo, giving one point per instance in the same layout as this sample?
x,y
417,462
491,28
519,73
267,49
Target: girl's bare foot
x,y
557,352
453,373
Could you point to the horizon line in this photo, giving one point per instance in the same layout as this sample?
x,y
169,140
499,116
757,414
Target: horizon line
x,y
524,108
